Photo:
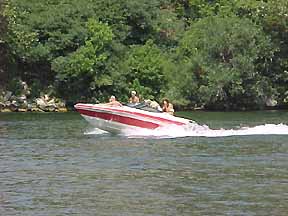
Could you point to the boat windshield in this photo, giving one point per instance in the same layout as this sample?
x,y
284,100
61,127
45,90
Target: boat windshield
x,y
142,106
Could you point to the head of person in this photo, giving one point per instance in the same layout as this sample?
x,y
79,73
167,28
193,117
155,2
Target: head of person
x,y
165,102
133,93
112,98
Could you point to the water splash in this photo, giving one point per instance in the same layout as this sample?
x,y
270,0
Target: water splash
x,y
94,131
196,130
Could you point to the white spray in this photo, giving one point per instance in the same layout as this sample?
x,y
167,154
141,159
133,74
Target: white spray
x,y
196,130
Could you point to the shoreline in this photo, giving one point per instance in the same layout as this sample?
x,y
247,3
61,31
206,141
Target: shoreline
x,y
60,110
72,109
11,102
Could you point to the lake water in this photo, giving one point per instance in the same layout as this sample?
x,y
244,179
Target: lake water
x,y
56,164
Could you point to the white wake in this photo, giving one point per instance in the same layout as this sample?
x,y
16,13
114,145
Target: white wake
x,y
196,130
94,131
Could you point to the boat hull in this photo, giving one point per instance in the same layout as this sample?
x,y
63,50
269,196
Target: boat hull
x,y
119,119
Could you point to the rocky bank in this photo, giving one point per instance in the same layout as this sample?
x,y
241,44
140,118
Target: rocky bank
x,y
22,102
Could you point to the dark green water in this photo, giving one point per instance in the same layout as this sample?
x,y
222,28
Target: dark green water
x,y
48,166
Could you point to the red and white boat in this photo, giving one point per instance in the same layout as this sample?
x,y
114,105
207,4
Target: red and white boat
x,y
118,119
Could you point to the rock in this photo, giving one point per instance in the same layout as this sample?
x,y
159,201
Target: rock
x,y
51,103
2,106
199,107
36,109
6,110
22,98
29,106
2,97
41,103
46,97
286,97
15,103
62,109
25,89
14,106
7,96
24,105
60,103
7,103
270,102
50,108
13,97
47,104
24,85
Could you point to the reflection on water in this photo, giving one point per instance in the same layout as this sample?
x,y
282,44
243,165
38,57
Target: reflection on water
x,y
49,165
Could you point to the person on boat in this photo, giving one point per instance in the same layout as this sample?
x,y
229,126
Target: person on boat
x,y
113,101
167,107
134,99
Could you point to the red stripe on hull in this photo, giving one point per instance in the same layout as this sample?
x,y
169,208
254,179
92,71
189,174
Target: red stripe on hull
x,y
134,113
119,119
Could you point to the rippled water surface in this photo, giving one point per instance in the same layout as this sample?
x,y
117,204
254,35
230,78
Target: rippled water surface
x,y
49,165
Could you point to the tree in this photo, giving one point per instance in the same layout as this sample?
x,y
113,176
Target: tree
x,y
83,67
145,68
227,58
3,45
275,23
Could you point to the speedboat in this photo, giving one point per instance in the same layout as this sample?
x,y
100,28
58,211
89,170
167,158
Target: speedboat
x,y
116,119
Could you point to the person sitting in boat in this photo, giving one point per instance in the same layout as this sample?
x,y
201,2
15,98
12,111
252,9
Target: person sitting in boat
x,y
167,107
134,99
113,101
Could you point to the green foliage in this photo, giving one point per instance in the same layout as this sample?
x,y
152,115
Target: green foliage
x,y
35,89
145,68
87,57
3,22
228,57
87,60
220,53
20,37
275,22
3,45
168,28
15,86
